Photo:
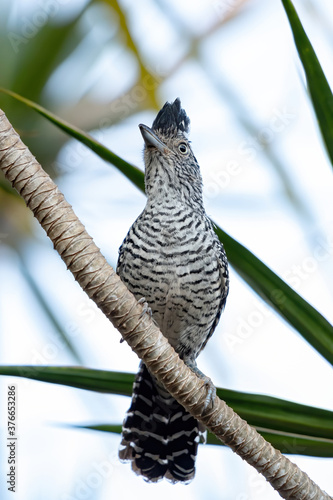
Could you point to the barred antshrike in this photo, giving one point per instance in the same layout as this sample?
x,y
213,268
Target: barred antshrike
x,y
171,257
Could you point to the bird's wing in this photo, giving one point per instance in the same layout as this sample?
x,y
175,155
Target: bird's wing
x,y
224,279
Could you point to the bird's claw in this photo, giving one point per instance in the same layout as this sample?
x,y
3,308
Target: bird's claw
x,y
211,393
145,308
211,389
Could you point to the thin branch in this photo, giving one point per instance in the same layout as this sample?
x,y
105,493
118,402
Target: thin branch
x,y
104,287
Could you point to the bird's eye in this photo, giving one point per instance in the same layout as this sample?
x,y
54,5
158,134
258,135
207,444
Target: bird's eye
x,y
182,148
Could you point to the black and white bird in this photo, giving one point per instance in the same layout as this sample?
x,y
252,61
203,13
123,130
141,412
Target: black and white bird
x,y
171,257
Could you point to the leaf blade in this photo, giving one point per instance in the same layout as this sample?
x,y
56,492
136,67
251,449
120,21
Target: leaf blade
x,y
287,444
289,304
291,426
320,92
133,173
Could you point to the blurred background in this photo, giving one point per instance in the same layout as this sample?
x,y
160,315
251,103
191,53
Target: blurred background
x,y
106,66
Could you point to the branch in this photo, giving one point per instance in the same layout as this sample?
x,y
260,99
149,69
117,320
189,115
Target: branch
x,y
104,287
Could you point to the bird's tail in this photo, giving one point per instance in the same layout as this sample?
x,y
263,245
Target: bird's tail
x,y
159,436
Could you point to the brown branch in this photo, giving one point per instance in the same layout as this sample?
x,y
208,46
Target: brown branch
x,y
104,287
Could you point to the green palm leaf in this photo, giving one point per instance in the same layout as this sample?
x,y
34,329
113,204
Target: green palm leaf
x,y
319,88
132,172
291,306
292,427
288,444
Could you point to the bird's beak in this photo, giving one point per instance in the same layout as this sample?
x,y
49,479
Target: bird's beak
x,y
151,140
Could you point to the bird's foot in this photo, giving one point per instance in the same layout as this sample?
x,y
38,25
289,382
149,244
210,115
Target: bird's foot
x,y
145,308
210,387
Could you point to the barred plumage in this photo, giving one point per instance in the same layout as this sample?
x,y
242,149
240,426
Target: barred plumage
x,y
171,257
157,427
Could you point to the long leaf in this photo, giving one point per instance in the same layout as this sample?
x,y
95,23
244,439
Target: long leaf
x,y
133,173
293,427
291,306
319,88
292,444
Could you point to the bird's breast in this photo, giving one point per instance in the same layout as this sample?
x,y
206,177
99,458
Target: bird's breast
x,y
170,258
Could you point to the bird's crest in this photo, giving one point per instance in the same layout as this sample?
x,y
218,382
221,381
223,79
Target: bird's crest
x,y
172,117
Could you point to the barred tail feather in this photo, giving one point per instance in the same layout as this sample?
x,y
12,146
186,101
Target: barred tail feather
x,y
159,436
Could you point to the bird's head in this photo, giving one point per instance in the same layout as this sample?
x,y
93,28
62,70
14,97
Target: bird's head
x,y
171,168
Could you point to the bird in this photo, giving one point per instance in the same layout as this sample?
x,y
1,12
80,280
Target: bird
x,y
172,260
